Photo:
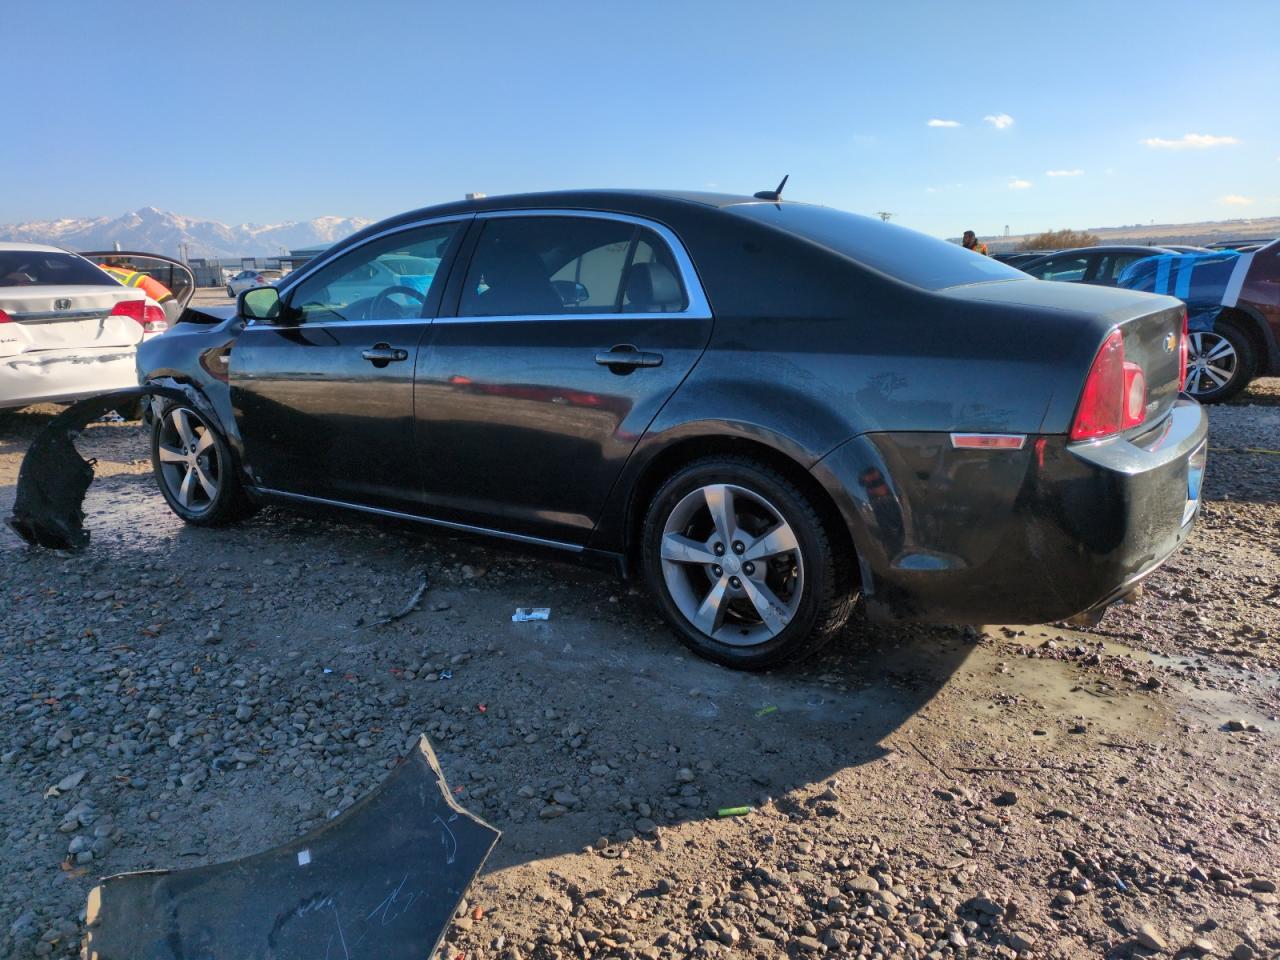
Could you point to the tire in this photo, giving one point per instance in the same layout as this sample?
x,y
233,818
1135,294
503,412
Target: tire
x,y
1226,350
809,587
231,293
197,477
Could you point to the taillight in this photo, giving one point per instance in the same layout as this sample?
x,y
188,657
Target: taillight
x,y
1184,354
146,315
4,317
1114,397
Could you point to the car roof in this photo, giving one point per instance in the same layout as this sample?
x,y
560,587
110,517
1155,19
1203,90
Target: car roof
x,y
20,245
639,202
1110,248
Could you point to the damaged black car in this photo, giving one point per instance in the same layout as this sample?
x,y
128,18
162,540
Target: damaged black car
x,y
768,409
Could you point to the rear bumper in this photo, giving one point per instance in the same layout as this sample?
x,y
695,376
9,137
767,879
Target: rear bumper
x,y
59,376
1015,536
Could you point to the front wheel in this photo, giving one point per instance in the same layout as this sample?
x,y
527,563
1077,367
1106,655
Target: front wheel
x,y
230,293
193,465
743,566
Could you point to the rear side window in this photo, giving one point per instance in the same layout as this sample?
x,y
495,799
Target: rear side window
x,y
906,255
24,268
547,266
1065,269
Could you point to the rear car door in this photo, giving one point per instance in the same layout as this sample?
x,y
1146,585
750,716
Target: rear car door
x,y
323,397
569,333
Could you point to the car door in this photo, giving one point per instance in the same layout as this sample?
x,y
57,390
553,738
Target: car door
x,y
323,396
173,275
568,333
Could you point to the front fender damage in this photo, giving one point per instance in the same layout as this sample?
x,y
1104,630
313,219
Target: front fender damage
x,y
381,880
48,507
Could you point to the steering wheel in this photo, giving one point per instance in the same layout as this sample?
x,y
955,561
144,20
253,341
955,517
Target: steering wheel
x,y
383,298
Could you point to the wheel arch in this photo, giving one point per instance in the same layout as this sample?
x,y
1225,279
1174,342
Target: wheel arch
x,y
1255,327
672,457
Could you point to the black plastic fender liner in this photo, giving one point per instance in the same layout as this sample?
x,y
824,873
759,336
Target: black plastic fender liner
x,y
380,881
48,507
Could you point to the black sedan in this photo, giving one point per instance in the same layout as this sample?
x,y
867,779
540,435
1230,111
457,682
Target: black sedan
x,y
767,408
1100,266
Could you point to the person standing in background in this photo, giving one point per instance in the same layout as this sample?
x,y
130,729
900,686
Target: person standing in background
x,y
971,242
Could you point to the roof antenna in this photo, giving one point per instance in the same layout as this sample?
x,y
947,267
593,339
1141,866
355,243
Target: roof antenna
x,y
774,195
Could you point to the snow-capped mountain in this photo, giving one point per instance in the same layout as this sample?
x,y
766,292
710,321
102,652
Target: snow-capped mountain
x,y
158,231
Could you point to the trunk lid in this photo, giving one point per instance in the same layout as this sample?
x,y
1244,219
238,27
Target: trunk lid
x,y
1151,326
65,317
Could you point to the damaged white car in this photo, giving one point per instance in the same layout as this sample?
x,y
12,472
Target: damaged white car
x,y
69,329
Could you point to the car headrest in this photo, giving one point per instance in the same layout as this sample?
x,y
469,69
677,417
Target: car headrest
x,y
652,287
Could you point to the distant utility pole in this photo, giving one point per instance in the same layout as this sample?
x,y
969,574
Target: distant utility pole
x,y
1006,229
884,215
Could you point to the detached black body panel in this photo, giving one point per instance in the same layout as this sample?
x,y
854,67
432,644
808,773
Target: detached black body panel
x,y
382,880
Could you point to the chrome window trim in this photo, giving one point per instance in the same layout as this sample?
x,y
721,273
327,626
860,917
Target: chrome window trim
x,y
697,308
508,318
418,518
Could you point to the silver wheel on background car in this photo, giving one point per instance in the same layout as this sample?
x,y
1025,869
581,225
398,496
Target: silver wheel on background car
x,y
732,564
190,465
1211,363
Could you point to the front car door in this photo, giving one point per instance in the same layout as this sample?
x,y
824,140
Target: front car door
x,y
323,397
569,332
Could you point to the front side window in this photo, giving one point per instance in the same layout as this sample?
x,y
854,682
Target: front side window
x,y
386,279
545,266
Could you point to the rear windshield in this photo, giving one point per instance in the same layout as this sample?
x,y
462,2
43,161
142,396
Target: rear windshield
x,y
904,254
25,268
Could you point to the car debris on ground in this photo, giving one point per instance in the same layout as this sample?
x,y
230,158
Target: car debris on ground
x,y
383,879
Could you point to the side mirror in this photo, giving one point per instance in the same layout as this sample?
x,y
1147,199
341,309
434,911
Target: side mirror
x,y
260,303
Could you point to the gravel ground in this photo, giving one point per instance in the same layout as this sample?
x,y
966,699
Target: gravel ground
x,y
174,697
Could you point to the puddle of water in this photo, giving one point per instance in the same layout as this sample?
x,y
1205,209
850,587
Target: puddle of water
x,y
1232,699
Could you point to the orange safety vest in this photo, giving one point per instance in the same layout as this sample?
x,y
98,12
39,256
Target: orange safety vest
x,y
152,287
978,247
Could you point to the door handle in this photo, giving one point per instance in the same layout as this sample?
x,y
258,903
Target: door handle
x,y
381,354
624,358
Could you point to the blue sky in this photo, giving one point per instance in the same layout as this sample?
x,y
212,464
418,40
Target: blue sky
x,y
265,112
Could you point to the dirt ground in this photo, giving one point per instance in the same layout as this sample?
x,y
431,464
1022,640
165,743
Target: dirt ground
x,y
173,697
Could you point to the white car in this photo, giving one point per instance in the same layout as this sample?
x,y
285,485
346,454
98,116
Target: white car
x,y
67,329
248,279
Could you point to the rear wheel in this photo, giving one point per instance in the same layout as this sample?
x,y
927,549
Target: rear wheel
x,y
743,566
1220,362
230,293
193,465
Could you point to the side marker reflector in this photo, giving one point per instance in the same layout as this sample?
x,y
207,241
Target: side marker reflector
x,y
988,441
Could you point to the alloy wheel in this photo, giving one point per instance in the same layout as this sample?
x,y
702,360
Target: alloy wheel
x,y
732,564
190,464
1211,363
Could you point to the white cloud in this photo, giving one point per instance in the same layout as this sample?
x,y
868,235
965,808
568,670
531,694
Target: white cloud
x,y
1235,200
1016,184
1064,173
1196,141
999,120
944,123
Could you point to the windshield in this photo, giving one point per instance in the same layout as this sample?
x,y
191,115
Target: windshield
x,y
904,254
24,268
